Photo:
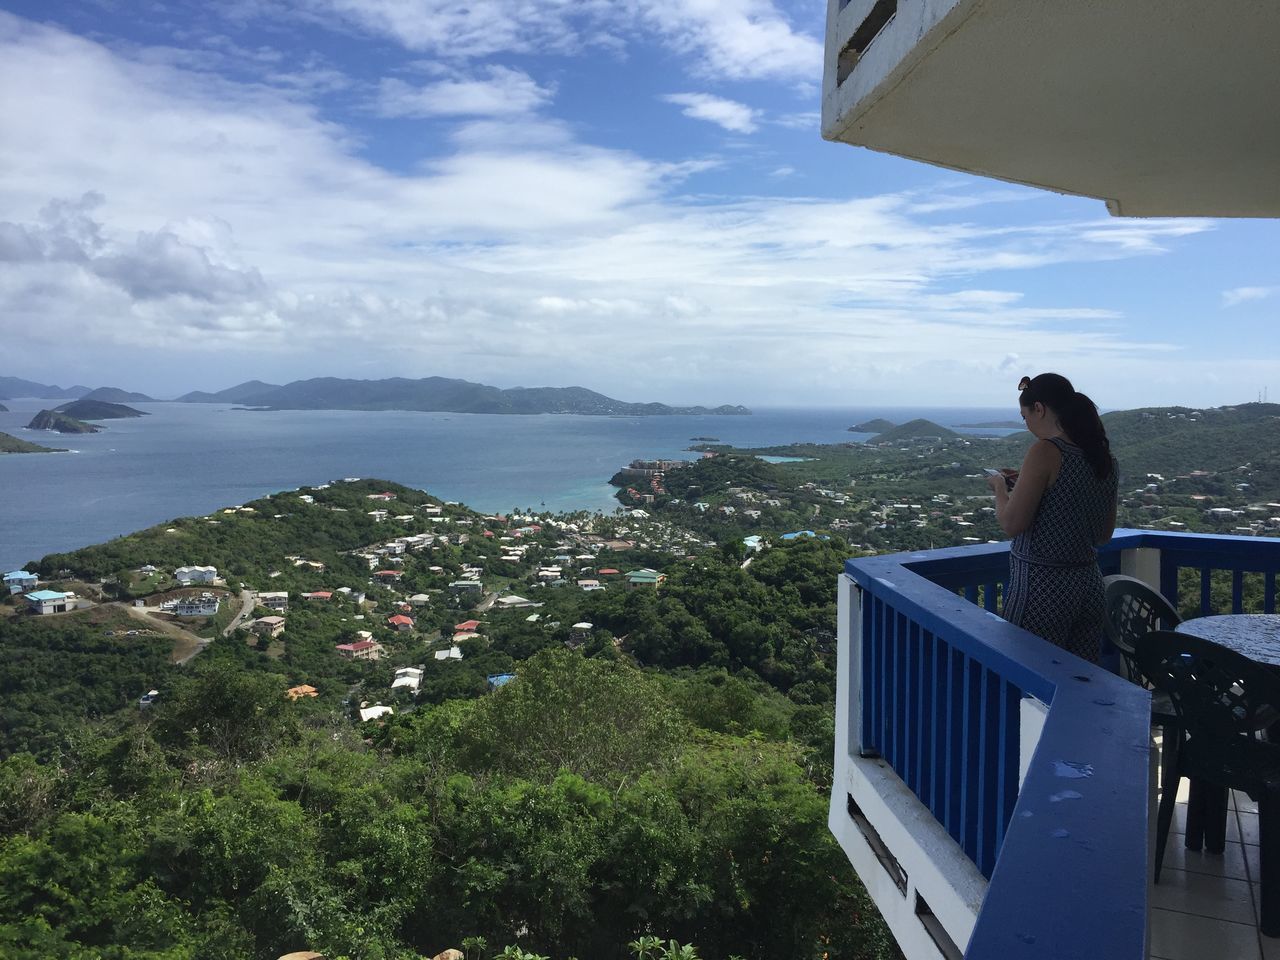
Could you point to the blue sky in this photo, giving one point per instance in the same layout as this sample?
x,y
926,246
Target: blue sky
x,y
633,197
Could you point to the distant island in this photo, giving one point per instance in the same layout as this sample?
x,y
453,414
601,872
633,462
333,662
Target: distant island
x,y
918,429
12,444
878,425
994,424
87,409
704,439
11,387
60,423
443,395
116,395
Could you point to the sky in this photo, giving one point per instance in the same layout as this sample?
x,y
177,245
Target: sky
x,y
631,196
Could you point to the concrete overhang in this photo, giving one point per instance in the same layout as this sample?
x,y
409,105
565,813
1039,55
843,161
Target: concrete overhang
x,y
1158,107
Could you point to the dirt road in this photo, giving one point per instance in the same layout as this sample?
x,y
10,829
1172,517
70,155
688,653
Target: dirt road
x,y
185,643
246,608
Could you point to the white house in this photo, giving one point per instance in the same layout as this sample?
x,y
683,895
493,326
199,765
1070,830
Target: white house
x,y
206,606
373,713
453,653
186,575
410,677
50,601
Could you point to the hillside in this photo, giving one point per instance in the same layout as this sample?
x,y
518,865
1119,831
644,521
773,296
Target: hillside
x,y
917,429
60,423
116,395
17,387
236,394
12,444
98,410
447,395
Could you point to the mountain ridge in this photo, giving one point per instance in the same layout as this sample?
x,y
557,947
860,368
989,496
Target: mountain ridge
x,y
445,395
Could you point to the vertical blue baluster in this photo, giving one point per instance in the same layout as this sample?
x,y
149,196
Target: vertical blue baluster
x,y
955,740
1010,726
1269,593
1237,591
975,722
918,704
869,740
928,718
989,596
990,763
971,593
902,687
1206,599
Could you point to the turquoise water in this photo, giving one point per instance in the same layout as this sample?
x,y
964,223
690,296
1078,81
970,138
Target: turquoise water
x,y
188,459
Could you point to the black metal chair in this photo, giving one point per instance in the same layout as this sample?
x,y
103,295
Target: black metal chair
x,y
1133,611
1222,700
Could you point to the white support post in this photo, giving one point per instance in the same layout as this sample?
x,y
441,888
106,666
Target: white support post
x,y
1143,563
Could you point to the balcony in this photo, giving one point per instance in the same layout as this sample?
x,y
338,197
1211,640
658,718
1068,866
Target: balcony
x,y
995,794
1158,108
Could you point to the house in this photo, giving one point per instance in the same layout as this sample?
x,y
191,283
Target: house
x,y
466,626
50,601
20,581
645,577
496,680
410,677
147,699
460,586
360,650
389,576
400,622
303,690
420,600
268,626
318,595
590,585
514,602
277,600
374,712
189,575
205,606
453,653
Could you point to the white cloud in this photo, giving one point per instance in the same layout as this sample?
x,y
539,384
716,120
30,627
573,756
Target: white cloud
x,y
725,39
1239,295
501,92
237,210
733,116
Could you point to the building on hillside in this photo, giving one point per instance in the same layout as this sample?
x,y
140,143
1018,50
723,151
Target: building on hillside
x,y
20,581
400,622
466,626
204,606
360,650
300,691
514,602
147,699
277,600
409,678
496,680
269,627
375,712
50,601
321,595
644,577
189,575
453,653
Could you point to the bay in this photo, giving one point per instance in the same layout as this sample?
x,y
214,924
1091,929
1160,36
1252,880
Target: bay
x,y
189,459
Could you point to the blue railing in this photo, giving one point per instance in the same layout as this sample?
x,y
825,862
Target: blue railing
x,y
942,678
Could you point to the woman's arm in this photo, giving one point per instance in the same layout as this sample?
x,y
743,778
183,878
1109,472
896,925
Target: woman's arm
x,y
1015,510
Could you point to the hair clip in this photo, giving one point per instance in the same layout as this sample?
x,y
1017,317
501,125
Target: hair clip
x,y
1024,383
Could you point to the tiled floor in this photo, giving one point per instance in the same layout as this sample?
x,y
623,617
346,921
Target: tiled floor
x,y
1206,905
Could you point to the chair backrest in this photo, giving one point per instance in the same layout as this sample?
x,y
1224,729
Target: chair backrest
x,y
1133,611
1216,693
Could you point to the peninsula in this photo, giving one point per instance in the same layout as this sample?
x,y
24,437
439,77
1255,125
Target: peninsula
x,y
60,423
87,409
12,444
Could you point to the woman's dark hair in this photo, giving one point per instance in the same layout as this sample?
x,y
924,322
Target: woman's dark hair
x,y
1077,414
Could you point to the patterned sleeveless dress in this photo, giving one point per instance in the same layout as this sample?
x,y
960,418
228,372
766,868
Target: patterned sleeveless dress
x,y
1055,589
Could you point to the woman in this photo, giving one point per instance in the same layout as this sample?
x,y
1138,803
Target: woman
x,y
1062,506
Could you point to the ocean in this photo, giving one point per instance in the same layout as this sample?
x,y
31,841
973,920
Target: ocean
x,y
189,459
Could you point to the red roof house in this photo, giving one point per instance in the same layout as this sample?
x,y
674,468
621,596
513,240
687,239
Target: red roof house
x,y
399,622
467,626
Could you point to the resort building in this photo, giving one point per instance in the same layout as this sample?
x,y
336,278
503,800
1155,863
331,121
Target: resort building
x,y
360,650
269,627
